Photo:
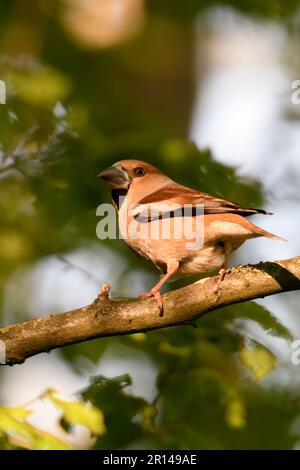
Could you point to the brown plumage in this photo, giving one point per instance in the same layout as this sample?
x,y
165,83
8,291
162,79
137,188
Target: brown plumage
x,y
182,231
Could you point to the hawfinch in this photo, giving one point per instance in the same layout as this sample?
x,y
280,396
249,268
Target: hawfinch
x,y
182,231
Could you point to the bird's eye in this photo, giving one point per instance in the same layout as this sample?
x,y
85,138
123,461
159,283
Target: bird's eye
x,y
139,171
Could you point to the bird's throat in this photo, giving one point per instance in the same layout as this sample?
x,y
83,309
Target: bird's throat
x,y
118,196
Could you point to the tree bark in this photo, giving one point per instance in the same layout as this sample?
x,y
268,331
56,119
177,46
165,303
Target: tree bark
x,y
105,317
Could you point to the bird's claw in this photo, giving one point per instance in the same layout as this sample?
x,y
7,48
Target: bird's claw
x,y
219,279
221,275
157,296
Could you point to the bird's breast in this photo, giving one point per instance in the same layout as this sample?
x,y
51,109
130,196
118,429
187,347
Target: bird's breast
x,y
160,242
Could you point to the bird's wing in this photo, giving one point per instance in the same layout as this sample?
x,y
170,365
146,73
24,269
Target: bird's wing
x,y
172,198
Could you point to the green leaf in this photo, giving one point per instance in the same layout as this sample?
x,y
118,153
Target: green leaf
x,y
16,413
235,412
17,432
83,413
259,360
43,86
180,351
126,416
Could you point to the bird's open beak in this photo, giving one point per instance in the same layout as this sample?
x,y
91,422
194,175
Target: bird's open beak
x,y
116,177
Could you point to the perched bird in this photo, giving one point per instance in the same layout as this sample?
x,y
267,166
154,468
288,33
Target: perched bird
x,y
182,231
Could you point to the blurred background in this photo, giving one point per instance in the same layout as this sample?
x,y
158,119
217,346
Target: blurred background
x,y
202,89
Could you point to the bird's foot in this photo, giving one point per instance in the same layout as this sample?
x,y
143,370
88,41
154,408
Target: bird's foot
x,y
221,275
219,279
156,294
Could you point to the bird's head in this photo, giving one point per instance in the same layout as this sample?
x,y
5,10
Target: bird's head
x,y
126,173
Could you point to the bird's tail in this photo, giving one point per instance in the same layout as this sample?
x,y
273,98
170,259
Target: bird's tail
x,y
264,233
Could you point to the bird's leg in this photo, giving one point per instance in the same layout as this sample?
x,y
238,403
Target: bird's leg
x,y
220,277
224,267
222,272
155,291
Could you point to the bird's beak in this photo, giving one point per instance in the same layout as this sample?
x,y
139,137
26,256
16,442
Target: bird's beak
x,y
116,177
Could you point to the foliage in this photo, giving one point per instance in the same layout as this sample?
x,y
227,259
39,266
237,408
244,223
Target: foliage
x,y
17,432
259,360
78,413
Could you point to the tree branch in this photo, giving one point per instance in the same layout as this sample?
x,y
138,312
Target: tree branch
x,y
106,317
